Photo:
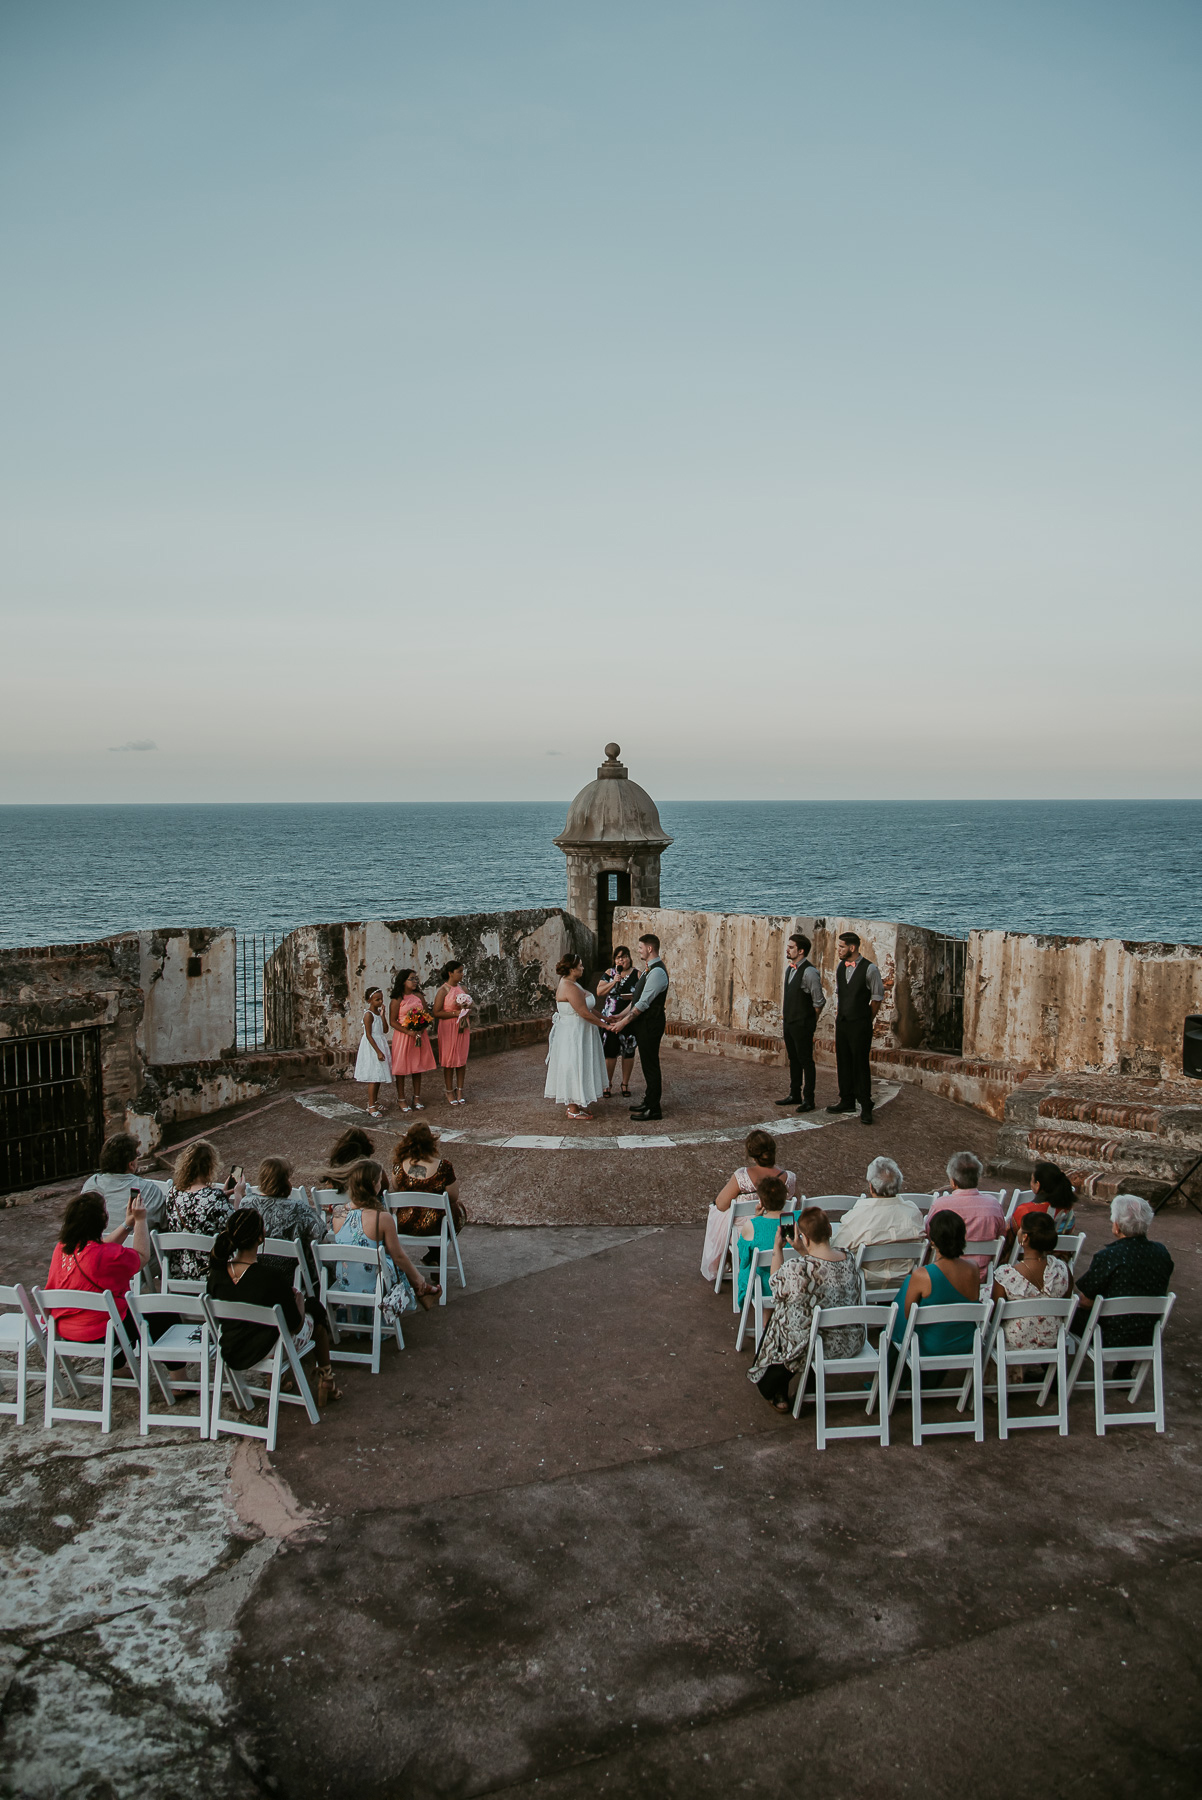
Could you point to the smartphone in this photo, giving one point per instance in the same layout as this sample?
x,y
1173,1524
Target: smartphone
x,y
235,1174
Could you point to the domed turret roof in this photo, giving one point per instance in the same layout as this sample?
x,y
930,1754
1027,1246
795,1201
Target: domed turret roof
x,y
612,810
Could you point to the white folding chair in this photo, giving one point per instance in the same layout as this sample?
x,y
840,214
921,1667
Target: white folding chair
x,y
923,1202
727,1265
290,1250
1018,1198
755,1302
349,1300
102,1350
234,1312
990,1247
1068,1248
833,1205
913,1250
417,1247
189,1340
1145,1356
1053,1359
20,1332
165,1242
969,1362
865,1362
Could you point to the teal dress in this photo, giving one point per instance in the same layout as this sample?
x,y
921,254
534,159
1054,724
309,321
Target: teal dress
x,y
938,1340
763,1237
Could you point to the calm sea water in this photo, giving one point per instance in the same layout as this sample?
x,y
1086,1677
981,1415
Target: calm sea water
x,y
1101,868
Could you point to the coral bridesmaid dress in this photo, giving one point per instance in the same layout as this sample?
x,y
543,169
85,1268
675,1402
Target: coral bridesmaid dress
x,y
411,1052
452,1043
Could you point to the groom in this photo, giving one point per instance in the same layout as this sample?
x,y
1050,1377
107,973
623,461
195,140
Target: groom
x,y
646,1017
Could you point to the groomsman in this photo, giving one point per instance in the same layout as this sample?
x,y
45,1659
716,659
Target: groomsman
x,y
803,1002
859,996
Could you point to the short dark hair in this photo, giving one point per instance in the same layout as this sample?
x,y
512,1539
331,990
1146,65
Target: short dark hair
x,y
117,1152
649,937
802,942
850,937
623,950
814,1225
772,1193
948,1232
84,1222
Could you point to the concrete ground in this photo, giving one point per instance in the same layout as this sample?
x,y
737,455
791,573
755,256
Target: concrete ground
x,y
561,1543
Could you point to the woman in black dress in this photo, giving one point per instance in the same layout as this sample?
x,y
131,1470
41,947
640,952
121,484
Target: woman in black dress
x,y
614,990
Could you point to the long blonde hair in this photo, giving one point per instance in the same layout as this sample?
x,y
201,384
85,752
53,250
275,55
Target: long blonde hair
x,y
366,1185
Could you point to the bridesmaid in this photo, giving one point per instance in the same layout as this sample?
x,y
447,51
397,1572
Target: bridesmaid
x,y
453,1034
411,1052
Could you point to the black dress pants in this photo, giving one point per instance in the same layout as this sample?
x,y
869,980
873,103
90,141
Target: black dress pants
x,y
799,1042
853,1047
648,1036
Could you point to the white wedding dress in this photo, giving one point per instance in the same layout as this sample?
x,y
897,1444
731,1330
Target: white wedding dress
x,y
575,1065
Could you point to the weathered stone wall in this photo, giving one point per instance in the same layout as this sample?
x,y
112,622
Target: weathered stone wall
x,y
510,962
728,969
1080,1004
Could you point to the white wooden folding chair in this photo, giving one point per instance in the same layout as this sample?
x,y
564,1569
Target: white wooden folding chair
x,y
757,1303
1052,1359
343,1302
59,1350
923,1202
291,1250
867,1361
239,1382
867,1255
833,1205
968,1362
166,1242
20,1333
1144,1356
1068,1248
727,1263
188,1340
446,1240
1018,1198
990,1247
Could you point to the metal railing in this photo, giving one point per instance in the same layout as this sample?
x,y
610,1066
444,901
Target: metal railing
x,y
948,1009
264,991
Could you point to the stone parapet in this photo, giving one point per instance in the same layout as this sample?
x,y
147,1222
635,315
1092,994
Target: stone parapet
x,y
1109,1134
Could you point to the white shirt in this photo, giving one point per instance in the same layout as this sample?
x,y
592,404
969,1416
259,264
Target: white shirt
x,y
873,1220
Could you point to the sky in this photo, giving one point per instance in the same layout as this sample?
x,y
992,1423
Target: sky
x,y
398,402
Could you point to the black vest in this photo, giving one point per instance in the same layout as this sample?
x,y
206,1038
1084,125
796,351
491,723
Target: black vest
x,y
855,1001
798,1007
654,1012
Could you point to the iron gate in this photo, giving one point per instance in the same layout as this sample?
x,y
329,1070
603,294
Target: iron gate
x,y
948,1009
51,1108
264,990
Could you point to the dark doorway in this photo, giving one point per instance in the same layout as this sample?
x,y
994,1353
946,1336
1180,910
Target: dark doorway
x,y
947,1028
613,889
51,1108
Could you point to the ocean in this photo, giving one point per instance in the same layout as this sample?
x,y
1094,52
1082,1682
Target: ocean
x,y
1128,869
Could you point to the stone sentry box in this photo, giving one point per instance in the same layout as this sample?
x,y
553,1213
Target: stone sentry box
x,y
613,841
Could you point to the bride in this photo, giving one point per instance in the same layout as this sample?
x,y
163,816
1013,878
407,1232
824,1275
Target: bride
x,y
575,1065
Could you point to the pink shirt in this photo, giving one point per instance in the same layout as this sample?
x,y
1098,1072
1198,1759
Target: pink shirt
x,y
93,1267
983,1217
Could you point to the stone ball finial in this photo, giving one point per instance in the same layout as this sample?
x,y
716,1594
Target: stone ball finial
x,y
613,751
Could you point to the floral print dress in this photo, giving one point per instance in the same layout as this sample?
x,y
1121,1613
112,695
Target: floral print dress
x,y
799,1287
1039,1332
203,1209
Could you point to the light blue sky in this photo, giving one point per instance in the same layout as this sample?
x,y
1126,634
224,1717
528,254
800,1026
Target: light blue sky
x,y
398,401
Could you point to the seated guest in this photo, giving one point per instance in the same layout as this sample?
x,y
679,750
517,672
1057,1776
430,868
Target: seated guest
x,y
881,1217
115,1177
1133,1264
951,1279
351,1147
759,1231
982,1213
743,1185
1051,1192
195,1203
417,1168
284,1217
235,1273
1036,1273
366,1220
89,1257
819,1275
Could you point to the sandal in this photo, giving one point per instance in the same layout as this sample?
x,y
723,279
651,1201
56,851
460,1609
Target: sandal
x,y
430,1297
607,1093
625,1093
580,1115
419,1106
327,1388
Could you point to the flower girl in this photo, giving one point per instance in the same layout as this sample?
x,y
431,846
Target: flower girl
x,y
372,1063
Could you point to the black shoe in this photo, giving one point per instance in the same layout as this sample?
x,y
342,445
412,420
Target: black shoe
x,y
866,1116
643,1113
840,1108
806,1106
789,1100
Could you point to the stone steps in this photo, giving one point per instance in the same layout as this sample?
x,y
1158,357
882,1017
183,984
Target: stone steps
x,y
1109,1134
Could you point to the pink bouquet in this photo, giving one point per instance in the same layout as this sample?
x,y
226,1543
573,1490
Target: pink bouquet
x,y
463,1000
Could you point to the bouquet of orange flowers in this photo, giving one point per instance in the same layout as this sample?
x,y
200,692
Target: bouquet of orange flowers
x,y
416,1020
